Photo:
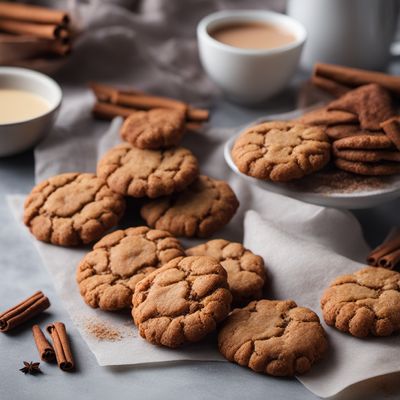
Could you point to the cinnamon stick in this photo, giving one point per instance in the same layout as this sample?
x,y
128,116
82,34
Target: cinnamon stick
x,y
390,260
31,13
334,88
356,77
390,245
147,102
23,311
193,126
61,346
106,92
44,31
197,114
45,349
109,111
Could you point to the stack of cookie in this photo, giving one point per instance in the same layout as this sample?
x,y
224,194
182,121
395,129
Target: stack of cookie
x,y
362,127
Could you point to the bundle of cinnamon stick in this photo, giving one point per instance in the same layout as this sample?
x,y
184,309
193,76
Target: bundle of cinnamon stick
x,y
28,31
338,80
387,254
113,102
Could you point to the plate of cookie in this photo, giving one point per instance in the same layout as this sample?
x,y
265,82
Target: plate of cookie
x,y
344,154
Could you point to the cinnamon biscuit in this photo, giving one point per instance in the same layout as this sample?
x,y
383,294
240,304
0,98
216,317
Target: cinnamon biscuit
x,y
391,128
336,132
200,210
281,151
364,303
366,155
154,129
72,208
108,274
246,273
364,142
273,337
153,173
368,168
182,301
325,117
371,103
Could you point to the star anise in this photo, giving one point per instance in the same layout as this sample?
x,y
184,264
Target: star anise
x,y
31,368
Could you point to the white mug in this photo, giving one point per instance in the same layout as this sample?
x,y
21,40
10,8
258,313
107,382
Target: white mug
x,y
356,33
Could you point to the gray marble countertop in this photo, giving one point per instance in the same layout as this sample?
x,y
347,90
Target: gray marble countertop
x,y
22,273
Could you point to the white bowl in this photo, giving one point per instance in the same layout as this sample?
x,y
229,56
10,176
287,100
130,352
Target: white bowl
x,y
19,136
249,75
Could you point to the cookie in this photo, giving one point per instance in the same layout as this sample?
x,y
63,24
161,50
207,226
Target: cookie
x,y
108,274
153,173
72,208
371,103
367,155
246,273
182,301
391,128
364,303
200,210
281,151
154,129
364,142
336,132
322,116
273,337
368,168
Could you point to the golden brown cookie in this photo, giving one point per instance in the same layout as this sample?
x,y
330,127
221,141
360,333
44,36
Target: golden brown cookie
x,y
364,142
368,168
273,337
108,274
200,210
72,208
281,151
364,303
367,155
322,116
371,103
153,173
391,128
246,273
336,132
182,301
154,129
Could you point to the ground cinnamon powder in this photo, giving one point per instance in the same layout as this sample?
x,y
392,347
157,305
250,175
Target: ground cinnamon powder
x,y
334,181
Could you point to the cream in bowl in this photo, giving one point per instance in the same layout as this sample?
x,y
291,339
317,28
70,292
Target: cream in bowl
x,y
29,102
250,55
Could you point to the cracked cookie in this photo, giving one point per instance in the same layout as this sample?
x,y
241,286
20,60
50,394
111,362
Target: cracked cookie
x,y
273,337
200,210
246,273
281,151
364,303
153,173
71,209
154,129
108,274
182,301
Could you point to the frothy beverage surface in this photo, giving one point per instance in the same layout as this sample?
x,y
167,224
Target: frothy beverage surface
x,y
253,35
19,105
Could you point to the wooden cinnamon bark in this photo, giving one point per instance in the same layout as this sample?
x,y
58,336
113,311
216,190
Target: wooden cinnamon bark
x,y
23,311
61,346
